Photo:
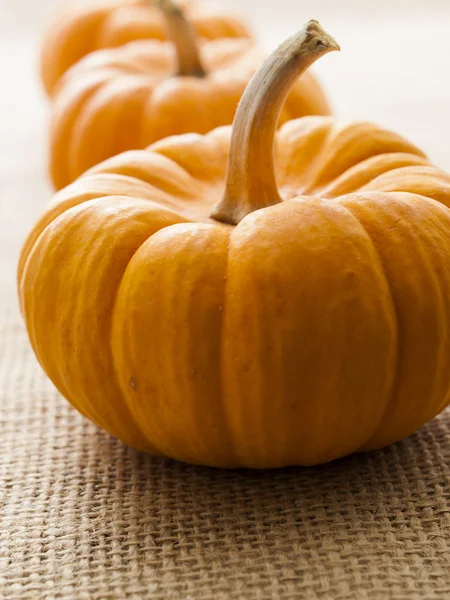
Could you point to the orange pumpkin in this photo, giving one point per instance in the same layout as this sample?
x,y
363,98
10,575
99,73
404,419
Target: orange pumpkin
x,y
268,313
81,29
129,97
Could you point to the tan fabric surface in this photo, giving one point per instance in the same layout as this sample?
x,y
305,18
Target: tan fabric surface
x,y
84,517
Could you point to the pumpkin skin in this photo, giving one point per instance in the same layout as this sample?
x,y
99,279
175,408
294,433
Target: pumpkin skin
x,y
313,328
81,29
127,98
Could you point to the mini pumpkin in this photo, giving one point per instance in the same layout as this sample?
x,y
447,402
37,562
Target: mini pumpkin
x,y
129,97
209,302
81,29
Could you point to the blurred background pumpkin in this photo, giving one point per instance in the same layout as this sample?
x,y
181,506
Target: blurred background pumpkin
x,y
128,97
87,26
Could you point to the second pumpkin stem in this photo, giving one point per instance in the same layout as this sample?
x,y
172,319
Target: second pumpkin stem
x,y
182,34
251,182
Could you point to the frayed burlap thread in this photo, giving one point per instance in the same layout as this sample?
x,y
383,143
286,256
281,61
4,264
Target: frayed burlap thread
x,y
84,517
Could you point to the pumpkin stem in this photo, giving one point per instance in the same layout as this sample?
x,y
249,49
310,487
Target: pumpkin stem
x,y
182,34
251,182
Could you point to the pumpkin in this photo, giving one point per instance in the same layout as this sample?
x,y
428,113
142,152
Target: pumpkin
x,y
81,29
249,297
129,97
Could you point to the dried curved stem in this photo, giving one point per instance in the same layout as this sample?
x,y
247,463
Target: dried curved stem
x,y
182,34
251,182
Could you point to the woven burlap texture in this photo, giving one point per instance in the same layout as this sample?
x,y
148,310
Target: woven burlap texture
x,y
82,516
